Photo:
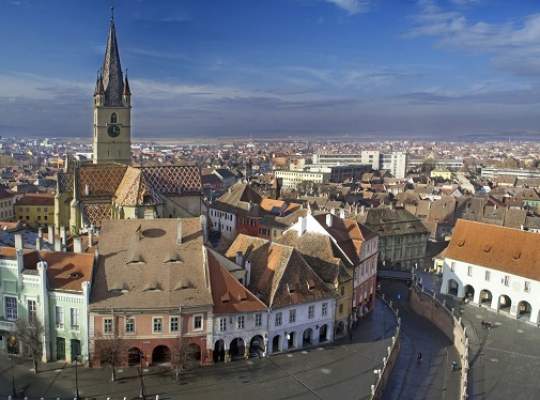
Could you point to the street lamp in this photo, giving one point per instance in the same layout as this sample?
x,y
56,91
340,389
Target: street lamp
x,y
13,388
141,382
77,397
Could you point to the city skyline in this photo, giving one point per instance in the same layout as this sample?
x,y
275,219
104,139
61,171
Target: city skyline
x,y
429,68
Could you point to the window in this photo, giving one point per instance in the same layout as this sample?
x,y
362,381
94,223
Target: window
x,y
59,316
130,325
278,319
240,322
527,286
74,318
114,118
292,316
469,271
222,324
311,312
197,322
487,275
10,304
107,326
258,320
31,310
174,324
324,310
341,308
342,290
157,325
506,280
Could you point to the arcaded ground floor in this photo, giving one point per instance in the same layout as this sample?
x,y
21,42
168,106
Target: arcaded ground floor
x,y
341,370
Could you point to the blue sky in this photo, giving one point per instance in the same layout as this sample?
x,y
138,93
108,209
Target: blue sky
x,y
366,68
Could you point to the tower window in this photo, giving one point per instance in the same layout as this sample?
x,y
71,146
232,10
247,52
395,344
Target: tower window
x,y
114,118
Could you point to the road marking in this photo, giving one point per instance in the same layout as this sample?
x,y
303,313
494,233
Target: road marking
x,y
290,355
305,352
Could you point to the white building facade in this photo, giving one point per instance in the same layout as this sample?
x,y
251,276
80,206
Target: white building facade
x,y
290,179
301,325
494,267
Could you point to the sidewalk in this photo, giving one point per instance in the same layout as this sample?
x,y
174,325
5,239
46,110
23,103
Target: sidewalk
x,y
341,370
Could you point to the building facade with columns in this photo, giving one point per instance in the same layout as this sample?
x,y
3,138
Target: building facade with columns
x,y
494,267
301,307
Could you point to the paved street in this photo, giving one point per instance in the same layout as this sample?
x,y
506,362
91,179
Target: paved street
x,y
505,360
433,377
343,370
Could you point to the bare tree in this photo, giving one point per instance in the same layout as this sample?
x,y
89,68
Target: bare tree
x,y
184,356
110,350
30,334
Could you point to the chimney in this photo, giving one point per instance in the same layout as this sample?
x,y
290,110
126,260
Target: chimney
x,y
19,251
341,213
40,232
303,225
248,272
77,244
333,211
329,220
42,270
90,237
86,190
239,258
362,210
18,241
204,227
57,244
39,243
179,231
50,234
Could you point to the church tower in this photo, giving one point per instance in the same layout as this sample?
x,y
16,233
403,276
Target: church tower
x,y
112,108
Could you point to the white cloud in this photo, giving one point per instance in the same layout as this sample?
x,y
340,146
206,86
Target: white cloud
x,y
514,44
352,6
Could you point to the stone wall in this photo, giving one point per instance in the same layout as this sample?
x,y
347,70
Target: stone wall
x,y
389,361
427,305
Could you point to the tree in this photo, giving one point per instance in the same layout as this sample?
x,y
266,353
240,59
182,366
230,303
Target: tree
x,y
183,356
30,334
110,350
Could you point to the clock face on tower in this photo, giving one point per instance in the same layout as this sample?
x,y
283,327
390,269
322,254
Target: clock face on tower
x,y
113,130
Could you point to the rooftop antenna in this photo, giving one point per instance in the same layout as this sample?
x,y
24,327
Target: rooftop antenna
x,y
112,13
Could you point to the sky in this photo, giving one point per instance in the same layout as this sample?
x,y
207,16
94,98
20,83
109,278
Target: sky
x,y
277,68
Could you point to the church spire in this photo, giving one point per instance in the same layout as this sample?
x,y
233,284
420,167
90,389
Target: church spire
x,y
113,81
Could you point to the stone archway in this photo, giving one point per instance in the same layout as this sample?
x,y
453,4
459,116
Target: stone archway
x,y
219,351
505,303
291,340
486,298
237,349
453,287
307,337
469,292
524,310
276,344
161,355
134,357
323,333
256,346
